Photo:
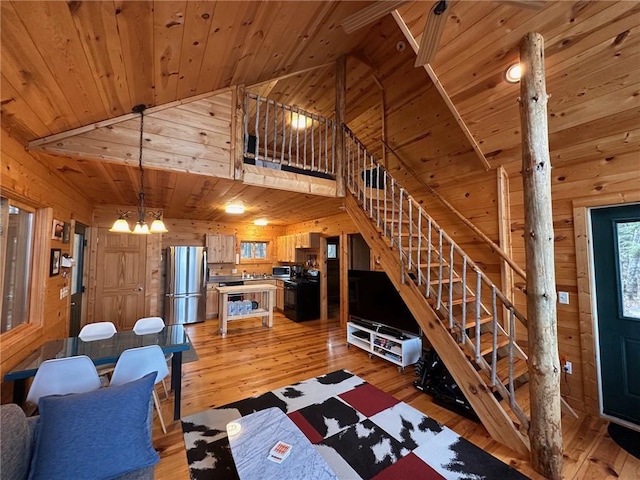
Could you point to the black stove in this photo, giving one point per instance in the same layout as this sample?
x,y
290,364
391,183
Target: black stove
x,y
302,299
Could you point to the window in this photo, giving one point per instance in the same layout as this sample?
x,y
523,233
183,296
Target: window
x,y
628,234
16,255
332,250
253,250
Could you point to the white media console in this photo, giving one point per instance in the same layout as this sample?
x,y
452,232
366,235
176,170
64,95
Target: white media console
x,y
403,349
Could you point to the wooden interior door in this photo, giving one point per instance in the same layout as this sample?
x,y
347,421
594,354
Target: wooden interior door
x,y
120,278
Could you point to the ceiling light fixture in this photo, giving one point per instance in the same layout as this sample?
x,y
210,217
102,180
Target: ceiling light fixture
x,y
298,120
513,73
261,222
121,225
235,208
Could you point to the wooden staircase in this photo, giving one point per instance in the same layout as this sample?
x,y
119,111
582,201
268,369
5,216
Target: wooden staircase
x,y
462,313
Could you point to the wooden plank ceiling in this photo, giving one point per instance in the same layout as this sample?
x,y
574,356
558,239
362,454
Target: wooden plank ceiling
x,y
69,64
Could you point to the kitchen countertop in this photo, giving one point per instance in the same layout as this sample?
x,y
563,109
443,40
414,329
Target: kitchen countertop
x,y
238,278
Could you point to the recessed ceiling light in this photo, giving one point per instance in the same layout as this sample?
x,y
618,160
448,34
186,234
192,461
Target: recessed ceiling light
x,y
261,222
234,208
513,73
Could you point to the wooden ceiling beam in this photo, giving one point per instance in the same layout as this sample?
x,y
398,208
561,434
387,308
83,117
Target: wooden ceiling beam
x,y
123,118
436,82
292,74
369,14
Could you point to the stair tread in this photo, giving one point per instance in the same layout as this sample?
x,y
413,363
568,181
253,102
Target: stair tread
x,y
502,370
486,342
458,301
472,323
522,395
446,280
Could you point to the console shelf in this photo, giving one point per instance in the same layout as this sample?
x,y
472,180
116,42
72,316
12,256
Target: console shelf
x,y
402,350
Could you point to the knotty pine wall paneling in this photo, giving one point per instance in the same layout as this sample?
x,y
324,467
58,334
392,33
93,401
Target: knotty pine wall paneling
x,y
28,180
604,176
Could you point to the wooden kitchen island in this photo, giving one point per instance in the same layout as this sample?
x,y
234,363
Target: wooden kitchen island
x,y
266,295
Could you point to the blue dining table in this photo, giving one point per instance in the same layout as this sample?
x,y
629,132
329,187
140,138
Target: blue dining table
x,y
172,339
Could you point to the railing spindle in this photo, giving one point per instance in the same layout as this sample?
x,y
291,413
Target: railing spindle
x,y
478,305
386,219
451,250
419,245
494,353
512,327
464,297
393,208
377,195
266,123
255,156
313,143
400,191
440,255
246,123
428,287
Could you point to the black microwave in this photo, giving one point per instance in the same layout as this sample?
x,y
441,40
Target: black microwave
x,y
281,271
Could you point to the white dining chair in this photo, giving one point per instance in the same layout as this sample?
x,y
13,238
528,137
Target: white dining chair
x,y
92,332
136,363
148,325
97,331
60,376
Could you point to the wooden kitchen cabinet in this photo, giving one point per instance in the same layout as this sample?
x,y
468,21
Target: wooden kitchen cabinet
x,y
286,245
280,295
308,240
286,248
221,248
212,301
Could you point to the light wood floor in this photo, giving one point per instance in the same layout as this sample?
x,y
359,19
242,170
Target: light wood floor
x,y
253,360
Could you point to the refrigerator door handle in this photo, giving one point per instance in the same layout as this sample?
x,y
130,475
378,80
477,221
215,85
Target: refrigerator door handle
x,y
205,278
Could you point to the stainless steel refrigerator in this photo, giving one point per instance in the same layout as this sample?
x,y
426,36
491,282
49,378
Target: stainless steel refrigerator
x,y
186,287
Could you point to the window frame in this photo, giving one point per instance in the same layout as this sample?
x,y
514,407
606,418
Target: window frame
x,y
253,259
32,330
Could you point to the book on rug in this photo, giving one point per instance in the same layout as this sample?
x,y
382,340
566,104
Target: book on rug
x,y
359,430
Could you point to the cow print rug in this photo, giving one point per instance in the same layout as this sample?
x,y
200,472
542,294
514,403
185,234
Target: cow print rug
x,y
362,432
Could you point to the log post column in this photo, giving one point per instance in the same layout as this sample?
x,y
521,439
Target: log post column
x,y
341,106
545,431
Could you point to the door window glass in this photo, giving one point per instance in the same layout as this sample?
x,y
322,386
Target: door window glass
x,y
628,234
76,274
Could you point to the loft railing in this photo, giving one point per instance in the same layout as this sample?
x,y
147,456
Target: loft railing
x,y
277,136
464,297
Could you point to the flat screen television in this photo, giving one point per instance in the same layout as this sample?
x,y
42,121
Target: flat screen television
x,y
374,299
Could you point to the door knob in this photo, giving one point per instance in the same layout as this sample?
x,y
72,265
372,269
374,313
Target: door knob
x,y
73,304
139,289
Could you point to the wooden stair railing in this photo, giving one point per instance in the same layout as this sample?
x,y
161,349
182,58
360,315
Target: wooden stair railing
x,y
465,302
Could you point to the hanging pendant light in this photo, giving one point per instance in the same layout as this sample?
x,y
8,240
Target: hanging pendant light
x,y
141,228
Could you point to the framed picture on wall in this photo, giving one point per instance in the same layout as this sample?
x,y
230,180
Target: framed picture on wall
x,y
54,263
56,231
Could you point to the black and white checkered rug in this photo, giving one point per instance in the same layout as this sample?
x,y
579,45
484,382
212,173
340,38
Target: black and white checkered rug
x,y
362,432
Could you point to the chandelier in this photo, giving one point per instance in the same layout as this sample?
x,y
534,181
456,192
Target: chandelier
x,y
121,225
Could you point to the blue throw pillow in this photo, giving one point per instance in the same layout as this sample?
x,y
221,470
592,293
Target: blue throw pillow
x,y
95,435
